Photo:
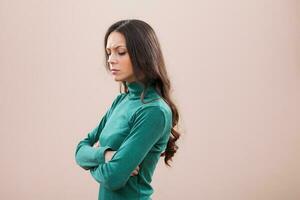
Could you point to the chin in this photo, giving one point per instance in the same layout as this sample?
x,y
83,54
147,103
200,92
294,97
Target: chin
x,y
118,79
121,79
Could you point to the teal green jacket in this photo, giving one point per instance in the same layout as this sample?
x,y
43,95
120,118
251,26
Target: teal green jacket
x,y
138,133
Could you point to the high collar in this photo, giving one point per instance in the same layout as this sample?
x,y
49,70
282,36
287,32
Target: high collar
x,y
135,89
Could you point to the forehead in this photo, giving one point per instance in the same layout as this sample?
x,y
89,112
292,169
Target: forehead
x,y
115,39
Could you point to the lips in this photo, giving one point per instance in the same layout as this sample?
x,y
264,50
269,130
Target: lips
x,y
114,71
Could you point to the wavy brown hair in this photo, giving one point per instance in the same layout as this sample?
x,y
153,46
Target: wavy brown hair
x,y
148,67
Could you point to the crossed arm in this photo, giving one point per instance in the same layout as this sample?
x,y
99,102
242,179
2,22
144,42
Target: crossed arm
x,y
114,168
108,154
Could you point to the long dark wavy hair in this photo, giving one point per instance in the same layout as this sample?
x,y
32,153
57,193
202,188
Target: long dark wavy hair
x,y
147,61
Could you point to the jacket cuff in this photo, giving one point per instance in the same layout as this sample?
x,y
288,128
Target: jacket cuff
x,y
100,157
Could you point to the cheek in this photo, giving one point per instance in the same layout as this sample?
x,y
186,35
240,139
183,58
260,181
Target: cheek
x,y
126,64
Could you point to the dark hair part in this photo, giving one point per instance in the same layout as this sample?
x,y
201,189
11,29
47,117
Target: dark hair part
x,y
148,67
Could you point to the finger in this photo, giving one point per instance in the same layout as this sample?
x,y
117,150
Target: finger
x,y
137,169
96,144
134,173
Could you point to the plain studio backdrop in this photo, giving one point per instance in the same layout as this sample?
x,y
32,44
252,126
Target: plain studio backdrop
x,y
235,70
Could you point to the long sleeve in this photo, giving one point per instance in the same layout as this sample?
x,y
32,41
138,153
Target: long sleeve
x,y
148,126
86,155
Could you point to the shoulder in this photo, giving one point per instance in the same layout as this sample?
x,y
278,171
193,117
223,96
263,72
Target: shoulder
x,y
154,111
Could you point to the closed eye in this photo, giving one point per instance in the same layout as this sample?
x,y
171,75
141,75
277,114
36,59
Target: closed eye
x,y
119,53
122,53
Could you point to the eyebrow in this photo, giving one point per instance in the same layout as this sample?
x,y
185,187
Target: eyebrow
x,y
115,47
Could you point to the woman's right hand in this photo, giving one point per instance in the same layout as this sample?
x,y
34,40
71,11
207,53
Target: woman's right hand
x,y
108,156
135,171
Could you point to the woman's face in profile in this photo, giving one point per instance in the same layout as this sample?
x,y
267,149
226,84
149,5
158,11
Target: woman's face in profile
x,y
118,58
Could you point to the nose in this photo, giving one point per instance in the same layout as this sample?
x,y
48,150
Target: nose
x,y
112,59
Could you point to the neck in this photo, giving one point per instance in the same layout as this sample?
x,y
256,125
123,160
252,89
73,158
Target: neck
x,y
135,89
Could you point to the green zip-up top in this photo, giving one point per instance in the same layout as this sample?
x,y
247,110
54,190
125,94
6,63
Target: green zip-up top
x,y
138,133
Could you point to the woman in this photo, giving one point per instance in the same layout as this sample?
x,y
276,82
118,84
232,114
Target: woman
x,y
138,128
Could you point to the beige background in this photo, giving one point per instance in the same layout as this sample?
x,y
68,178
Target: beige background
x,y
235,70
